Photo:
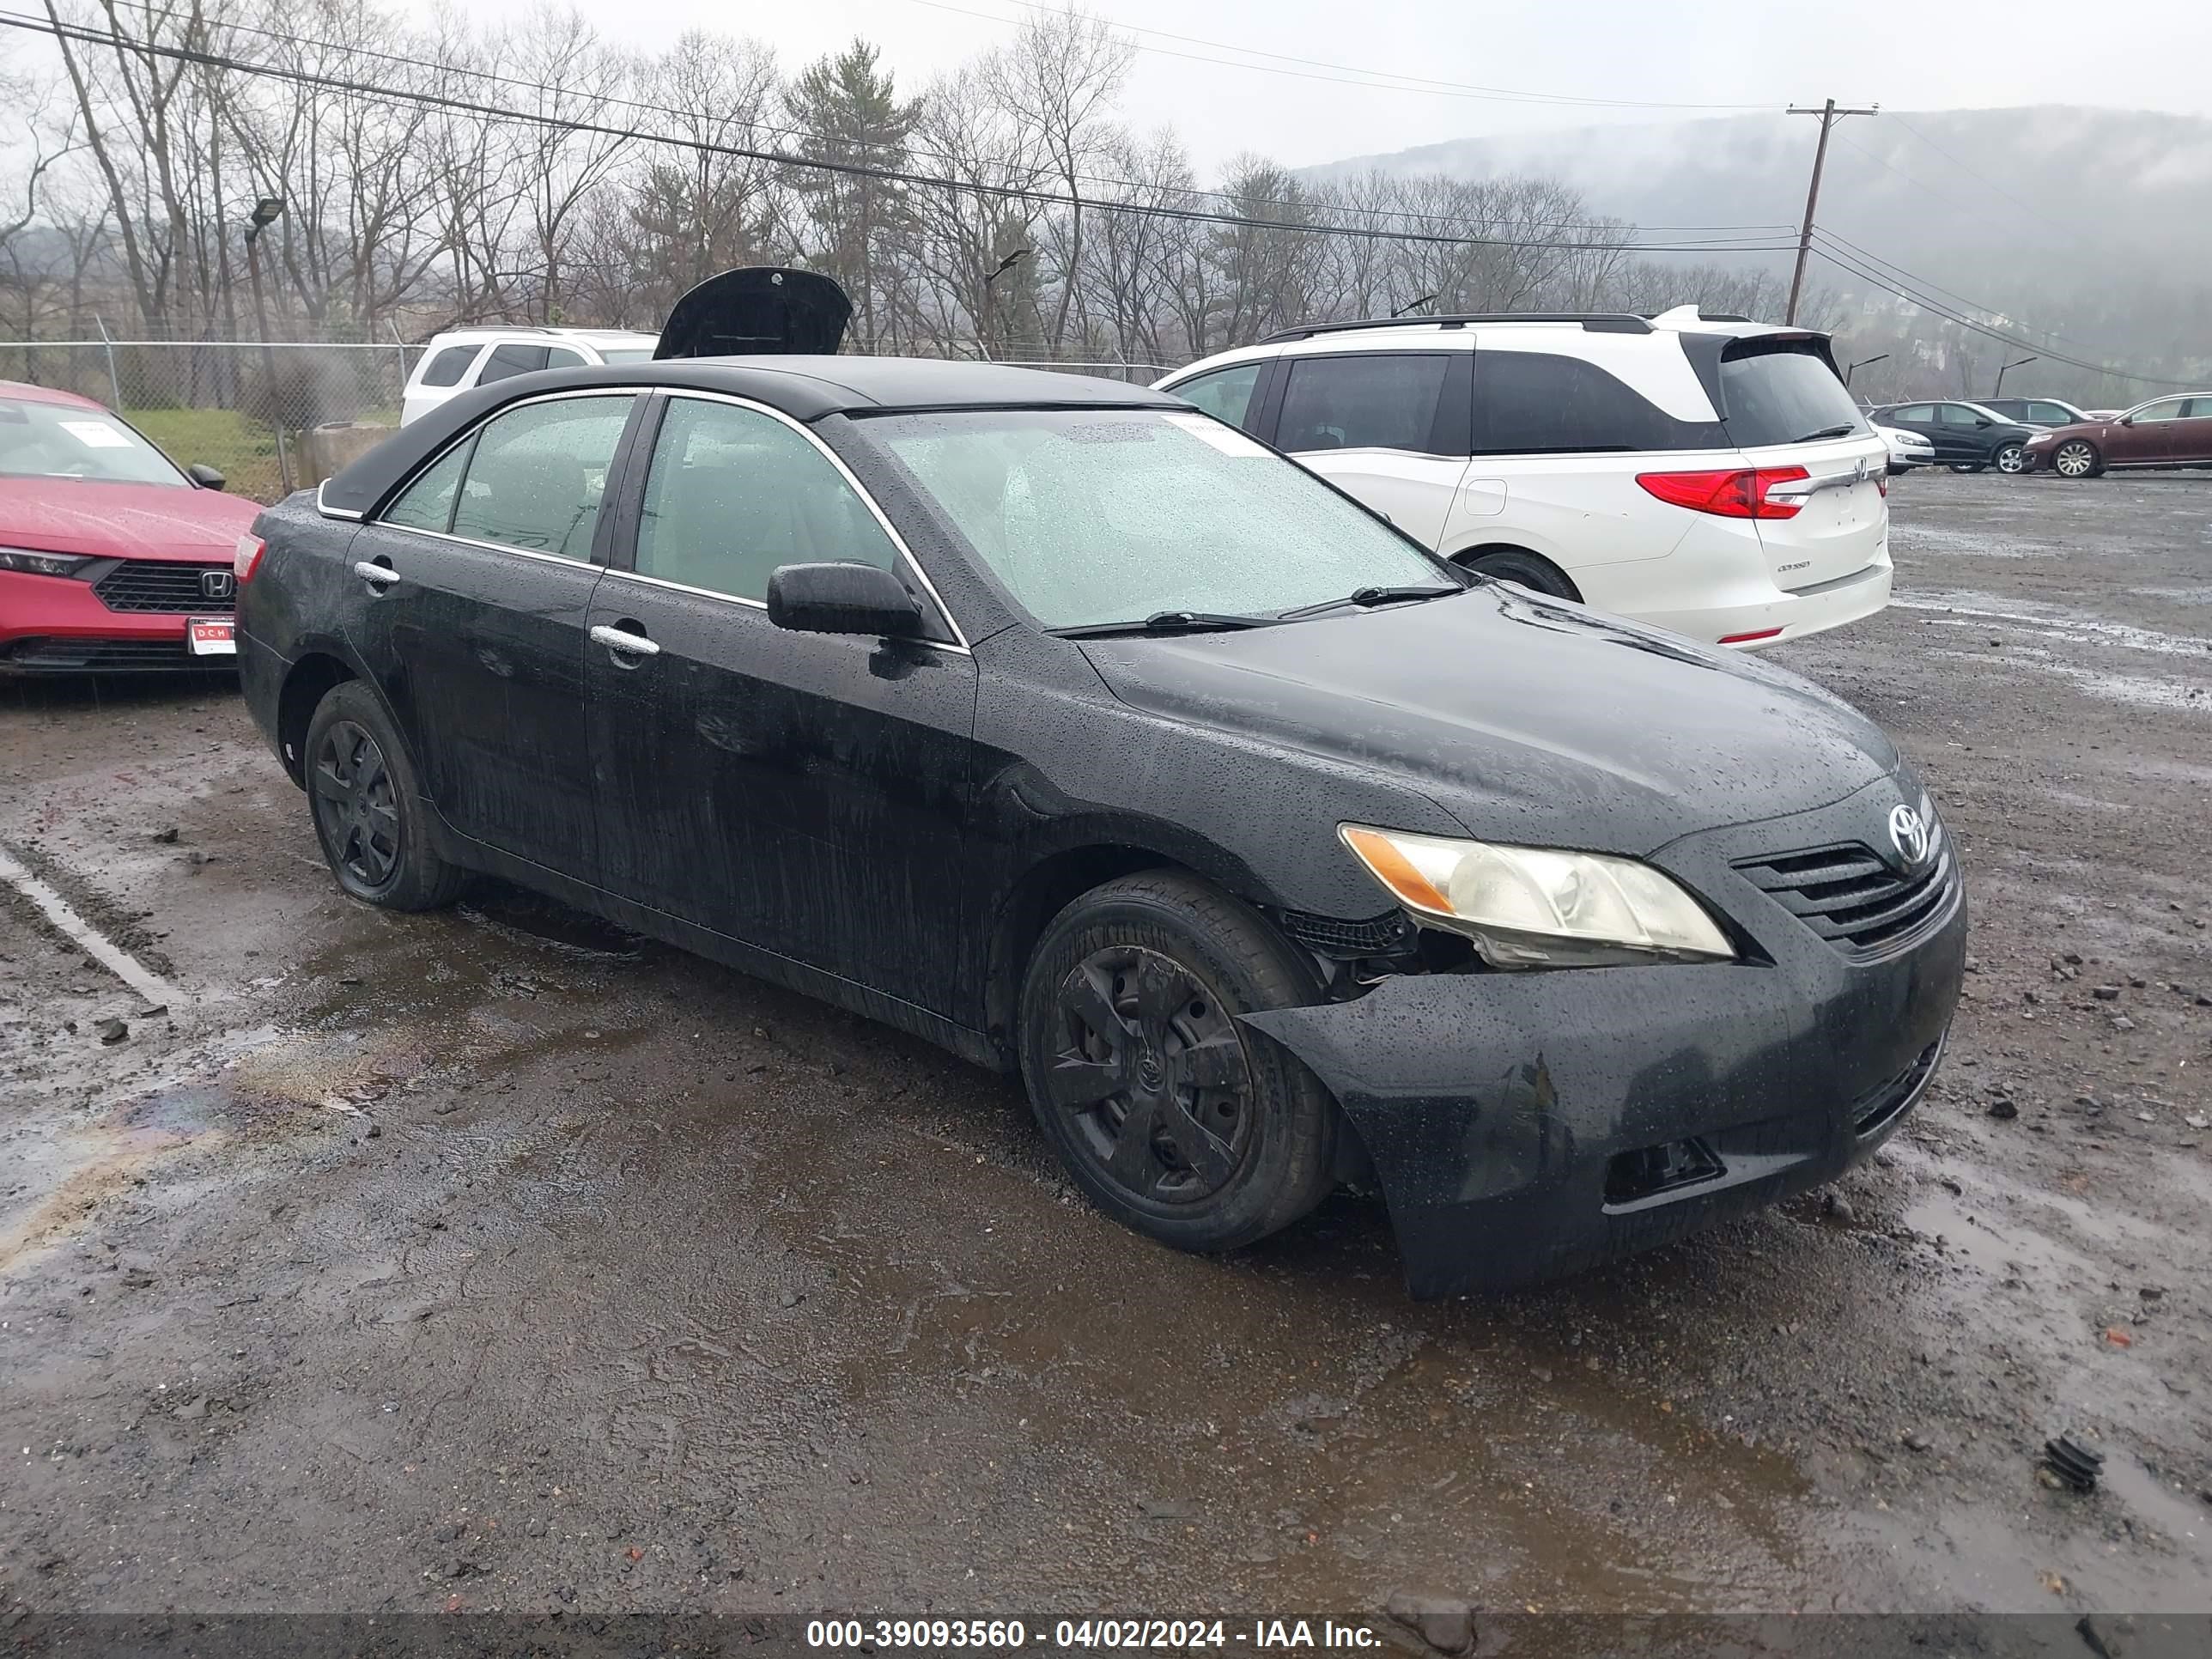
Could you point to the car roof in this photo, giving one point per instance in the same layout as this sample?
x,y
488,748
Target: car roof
x,y
480,331
24,391
806,388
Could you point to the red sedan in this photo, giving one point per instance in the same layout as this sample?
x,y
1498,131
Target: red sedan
x,y
112,560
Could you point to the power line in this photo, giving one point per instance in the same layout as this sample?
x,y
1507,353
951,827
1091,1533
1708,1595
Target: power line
x,y
1982,178
1401,82
888,175
1750,232
1905,276
1864,274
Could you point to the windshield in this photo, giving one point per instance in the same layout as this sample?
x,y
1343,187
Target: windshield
x,y
626,354
68,441
1782,396
1092,516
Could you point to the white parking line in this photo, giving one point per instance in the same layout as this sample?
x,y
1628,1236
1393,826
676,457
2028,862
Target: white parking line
x,y
81,932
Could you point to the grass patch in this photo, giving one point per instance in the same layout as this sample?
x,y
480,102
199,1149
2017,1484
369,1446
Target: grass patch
x,y
242,449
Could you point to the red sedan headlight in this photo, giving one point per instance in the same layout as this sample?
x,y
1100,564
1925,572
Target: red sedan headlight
x,y
31,562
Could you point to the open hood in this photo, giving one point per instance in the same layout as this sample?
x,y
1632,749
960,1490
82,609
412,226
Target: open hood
x,y
757,311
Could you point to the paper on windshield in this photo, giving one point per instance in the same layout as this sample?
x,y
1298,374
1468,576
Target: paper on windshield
x,y
95,434
1226,439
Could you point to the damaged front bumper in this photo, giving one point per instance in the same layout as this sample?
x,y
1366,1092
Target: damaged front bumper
x,y
1525,1126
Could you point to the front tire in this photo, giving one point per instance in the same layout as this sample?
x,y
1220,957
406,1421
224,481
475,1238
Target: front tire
x,y
1523,570
2012,458
2077,458
1174,1118
368,809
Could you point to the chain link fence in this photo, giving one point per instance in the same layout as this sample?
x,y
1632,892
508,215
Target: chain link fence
x,y
260,414
243,407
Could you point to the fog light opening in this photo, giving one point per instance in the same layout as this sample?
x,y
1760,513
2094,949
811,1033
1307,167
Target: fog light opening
x,y
1651,1170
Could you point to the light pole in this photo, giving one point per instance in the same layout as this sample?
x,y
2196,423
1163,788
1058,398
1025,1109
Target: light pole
x,y
2021,364
1863,363
266,212
1004,265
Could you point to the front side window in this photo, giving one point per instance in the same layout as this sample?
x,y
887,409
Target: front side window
x,y
510,360
734,493
536,475
1388,401
1960,414
449,365
2051,414
71,441
1225,394
1537,402
2150,413
1090,516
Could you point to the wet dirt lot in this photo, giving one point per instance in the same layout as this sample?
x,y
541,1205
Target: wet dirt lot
x,y
493,1260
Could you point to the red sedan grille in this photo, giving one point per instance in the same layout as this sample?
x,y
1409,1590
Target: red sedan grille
x,y
159,584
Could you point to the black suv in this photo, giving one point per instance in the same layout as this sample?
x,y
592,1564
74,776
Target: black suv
x,y
1968,437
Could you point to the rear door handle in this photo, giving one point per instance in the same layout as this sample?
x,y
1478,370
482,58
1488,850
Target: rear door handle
x,y
621,640
378,575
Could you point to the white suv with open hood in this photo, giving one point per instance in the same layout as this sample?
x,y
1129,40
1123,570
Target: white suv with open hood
x,y
1701,473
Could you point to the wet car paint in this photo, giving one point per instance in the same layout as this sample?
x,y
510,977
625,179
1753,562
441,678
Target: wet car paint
x,y
888,824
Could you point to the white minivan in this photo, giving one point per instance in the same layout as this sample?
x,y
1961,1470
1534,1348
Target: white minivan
x,y
1705,474
463,357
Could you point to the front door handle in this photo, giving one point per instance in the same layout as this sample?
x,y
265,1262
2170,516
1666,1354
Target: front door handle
x,y
625,643
376,576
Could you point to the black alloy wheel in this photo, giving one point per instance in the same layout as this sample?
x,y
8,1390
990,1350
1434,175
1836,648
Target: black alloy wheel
x,y
356,810
1152,1074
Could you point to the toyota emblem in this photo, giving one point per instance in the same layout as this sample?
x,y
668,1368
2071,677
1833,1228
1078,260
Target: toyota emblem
x,y
216,584
1908,831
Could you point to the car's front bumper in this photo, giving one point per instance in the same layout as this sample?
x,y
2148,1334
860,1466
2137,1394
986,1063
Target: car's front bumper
x,y
1510,1117
59,625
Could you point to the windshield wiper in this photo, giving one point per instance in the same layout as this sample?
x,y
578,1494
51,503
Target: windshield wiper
x,y
1365,597
1843,430
1166,621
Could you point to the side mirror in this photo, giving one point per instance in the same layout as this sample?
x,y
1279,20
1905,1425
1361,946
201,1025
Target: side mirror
x,y
843,598
204,475
1980,422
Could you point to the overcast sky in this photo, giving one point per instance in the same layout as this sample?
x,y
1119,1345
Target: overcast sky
x,y
2144,54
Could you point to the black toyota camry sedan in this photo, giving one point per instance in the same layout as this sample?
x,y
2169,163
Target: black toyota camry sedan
x,y
1077,731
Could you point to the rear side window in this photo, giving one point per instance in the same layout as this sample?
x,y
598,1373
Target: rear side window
x,y
1388,401
1225,394
511,359
427,503
1918,414
1538,402
561,357
538,473
1784,395
734,493
449,365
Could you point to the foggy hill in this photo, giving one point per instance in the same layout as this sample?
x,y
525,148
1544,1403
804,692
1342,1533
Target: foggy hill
x,y
2093,222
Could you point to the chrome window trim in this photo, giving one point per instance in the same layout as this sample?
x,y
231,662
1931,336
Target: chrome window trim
x,y
467,433
958,644
329,512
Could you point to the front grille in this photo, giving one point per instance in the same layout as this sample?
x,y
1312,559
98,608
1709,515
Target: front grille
x,y
159,584
1853,900
49,656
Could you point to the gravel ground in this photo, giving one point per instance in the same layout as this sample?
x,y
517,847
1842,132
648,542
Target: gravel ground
x,y
492,1259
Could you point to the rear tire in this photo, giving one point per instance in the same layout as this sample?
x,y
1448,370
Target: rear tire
x,y
1173,1117
1969,466
2077,458
368,808
1523,570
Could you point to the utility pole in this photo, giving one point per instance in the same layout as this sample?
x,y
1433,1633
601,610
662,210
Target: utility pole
x,y
1829,115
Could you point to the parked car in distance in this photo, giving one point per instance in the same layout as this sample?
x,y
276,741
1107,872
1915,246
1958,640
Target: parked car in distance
x,y
1702,474
462,358
2164,431
1906,449
1072,729
111,558
2036,411
1967,437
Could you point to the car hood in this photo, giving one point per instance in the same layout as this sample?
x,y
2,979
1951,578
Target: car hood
x,y
2078,429
1530,720
757,311
121,521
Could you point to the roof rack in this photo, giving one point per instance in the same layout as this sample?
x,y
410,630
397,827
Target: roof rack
x,y
1596,322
